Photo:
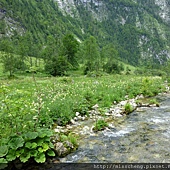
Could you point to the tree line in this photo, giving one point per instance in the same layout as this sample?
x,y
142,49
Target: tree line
x,y
62,55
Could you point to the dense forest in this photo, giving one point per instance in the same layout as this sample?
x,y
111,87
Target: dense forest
x,y
130,31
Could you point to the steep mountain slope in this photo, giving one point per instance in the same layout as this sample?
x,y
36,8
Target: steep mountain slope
x,y
140,30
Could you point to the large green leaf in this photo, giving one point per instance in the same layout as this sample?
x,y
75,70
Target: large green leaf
x,y
31,145
40,149
39,141
51,145
47,139
31,135
34,153
19,152
16,142
50,153
3,163
44,132
25,156
45,147
4,141
11,157
3,150
40,158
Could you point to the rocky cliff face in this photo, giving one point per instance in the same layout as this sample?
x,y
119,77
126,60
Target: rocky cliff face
x,y
96,7
164,11
10,25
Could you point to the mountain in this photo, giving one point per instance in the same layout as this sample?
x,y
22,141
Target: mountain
x,y
139,29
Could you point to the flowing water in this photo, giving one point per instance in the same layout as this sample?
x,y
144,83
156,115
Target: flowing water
x,y
141,137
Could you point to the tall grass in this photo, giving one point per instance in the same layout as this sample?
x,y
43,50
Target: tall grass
x,y
62,97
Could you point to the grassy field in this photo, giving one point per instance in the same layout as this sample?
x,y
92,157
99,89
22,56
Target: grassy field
x,y
60,98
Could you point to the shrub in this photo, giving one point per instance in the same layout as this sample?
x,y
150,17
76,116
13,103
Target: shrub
x,y
128,108
154,101
100,125
57,66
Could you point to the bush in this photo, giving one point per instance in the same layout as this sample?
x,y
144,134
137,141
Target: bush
x,y
128,108
100,125
57,66
113,67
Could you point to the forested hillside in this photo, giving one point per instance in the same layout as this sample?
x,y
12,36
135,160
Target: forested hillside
x,y
138,30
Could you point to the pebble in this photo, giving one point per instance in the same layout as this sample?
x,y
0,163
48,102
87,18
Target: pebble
x,y
77,114
73,121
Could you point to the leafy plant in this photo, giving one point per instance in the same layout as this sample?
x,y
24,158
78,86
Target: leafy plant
x,y
100,125
70,137
73,139
128,108
154,101
31,144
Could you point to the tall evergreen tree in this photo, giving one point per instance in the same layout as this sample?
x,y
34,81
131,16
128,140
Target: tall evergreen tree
x,y
70,48
10,61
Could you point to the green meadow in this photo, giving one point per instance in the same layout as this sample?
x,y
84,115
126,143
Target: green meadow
x,y
49,100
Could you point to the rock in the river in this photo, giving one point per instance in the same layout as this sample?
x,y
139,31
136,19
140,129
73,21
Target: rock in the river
x,y
60,149
77,113
123,103
69,144
107,114
57,130
85,130
96,106
75,118
117,110
83,118
73,121
79,117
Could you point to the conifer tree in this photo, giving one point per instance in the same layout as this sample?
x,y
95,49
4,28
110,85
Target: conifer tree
x,y
92,54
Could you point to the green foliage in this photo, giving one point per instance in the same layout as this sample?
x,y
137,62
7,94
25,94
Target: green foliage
x,y
16,142
91,50
147,84
3,150
11,62
73,139
128,108
70,137
154,101
70,48
100,125
28,145
24,137
113,67
2,26
57,66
